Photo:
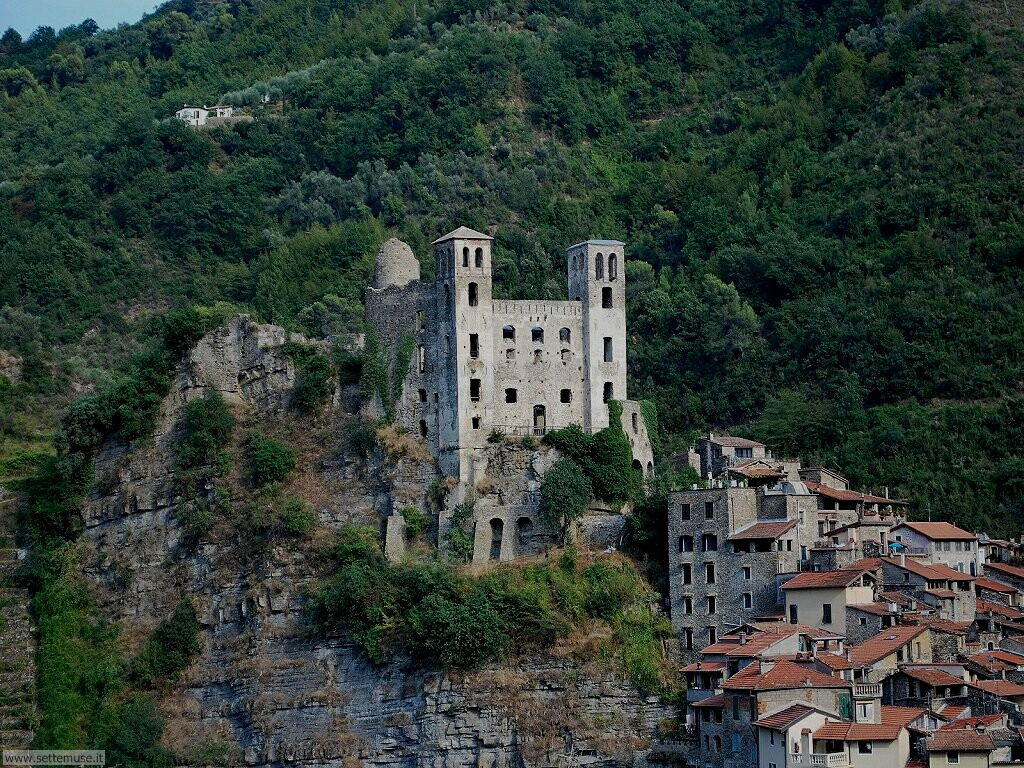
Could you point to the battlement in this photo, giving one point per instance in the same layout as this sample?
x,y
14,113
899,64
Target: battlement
x,y
538,309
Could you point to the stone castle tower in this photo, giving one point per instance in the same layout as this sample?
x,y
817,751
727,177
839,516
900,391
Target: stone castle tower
x,y
519,367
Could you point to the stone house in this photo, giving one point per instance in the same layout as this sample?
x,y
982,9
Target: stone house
x,y
479,366
948,592
727,561
942,543
719,452
1009,575
933,686
875,658
866,620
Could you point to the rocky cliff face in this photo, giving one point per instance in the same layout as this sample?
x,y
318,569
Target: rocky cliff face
x,y
266,691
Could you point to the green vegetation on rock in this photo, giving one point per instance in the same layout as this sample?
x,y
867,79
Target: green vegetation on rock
x,y
441,617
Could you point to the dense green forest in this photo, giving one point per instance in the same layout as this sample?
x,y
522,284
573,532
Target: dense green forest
x,y
821,201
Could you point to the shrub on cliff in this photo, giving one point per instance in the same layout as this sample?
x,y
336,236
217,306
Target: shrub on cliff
x,y
206,427
314,384
451,620
171,648
269,460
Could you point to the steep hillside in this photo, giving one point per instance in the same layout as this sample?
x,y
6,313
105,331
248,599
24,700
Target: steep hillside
x,y
822,200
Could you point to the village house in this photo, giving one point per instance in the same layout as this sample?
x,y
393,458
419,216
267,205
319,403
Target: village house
x,y
942,543
962,747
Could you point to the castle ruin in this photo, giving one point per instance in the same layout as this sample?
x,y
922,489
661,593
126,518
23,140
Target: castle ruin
x,y
481,365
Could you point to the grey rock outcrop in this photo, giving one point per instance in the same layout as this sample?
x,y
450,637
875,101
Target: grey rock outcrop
x,y
266,688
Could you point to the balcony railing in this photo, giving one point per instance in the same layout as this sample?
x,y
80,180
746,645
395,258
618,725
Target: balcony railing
x,y
824,760
867,690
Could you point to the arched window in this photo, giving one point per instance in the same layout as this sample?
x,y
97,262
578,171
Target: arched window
x,y
564,335
474,298
636,423
508,333
497,532
537,335
465,257
613,266
637,466
478,257
650,468
538,355
599,266
609,391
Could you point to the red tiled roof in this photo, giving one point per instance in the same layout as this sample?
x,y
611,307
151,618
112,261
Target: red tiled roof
x,y
948,626
1009,570
972,722
944,594
930,571
899,598
953,711
999,687
959,740
879,609
937,678
767,530
986,606
825,579
718,700
839,495
881,645
835,730
901,715
939,531
704,666
1003,658
784,718
832,661
782,675
983,582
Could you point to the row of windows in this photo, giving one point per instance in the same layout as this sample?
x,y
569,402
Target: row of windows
x,y
709,511
711,603
508,333
512,395
709,573
473,297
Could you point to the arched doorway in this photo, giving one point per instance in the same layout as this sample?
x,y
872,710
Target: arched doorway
x,y
638,466
497,532
540,421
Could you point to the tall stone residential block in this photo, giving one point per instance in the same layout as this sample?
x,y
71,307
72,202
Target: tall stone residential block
x,y
480,364
730,550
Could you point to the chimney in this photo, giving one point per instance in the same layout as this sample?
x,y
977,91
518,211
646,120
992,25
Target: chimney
x,y
743,638
807,682
903,558
849,656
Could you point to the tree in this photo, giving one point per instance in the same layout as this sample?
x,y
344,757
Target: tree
x,y
565,494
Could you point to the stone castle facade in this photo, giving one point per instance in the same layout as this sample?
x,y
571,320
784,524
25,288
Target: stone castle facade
x,y
481,365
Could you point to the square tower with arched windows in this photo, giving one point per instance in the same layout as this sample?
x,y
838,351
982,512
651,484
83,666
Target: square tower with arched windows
x,y
597,281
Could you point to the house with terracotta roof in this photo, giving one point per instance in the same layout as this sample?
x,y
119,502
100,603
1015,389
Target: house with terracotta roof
x,y
997,592
942,543
821,598
864,745
961,747
947,592
875,658
926,685
865,620
1011,575
1000,689
993,664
